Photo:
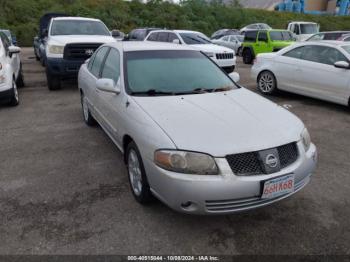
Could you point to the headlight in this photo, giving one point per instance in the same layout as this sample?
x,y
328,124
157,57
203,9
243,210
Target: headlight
x,y
186,162
209,54
306,139
56,49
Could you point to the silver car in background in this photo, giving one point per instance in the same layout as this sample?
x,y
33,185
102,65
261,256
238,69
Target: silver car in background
x,y
190,135
231,41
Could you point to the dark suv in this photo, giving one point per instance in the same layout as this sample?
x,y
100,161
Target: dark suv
x,y
140,34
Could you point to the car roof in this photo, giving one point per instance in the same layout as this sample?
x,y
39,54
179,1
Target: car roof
x,y
324,43
75,18
129,46
186,31
302,22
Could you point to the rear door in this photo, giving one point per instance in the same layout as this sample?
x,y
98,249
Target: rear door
x,y
286,68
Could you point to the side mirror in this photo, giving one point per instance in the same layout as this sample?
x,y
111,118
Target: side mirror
x,y
342,64
45,32
107,85
14,50
234,76
176,41
115,33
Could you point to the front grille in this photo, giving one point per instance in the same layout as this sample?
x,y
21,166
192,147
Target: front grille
x,y
224,56
80,51
249,164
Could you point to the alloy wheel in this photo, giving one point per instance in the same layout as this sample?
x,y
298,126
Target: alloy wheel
x,y
135,174
266,83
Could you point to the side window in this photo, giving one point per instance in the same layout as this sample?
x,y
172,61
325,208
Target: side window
x,y
262,37
98,60
295,53
5,43
162,37
111,68
172,37
153,37
296,29
133,34
330,55
225,38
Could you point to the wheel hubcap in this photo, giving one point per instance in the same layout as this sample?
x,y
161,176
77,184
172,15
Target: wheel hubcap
x,y
266,83
85,109
135,173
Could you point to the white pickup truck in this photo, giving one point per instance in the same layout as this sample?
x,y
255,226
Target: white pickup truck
x,y
71,41
303,30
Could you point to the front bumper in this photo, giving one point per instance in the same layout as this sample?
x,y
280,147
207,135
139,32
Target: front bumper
x,y
63,68
225,193
6,95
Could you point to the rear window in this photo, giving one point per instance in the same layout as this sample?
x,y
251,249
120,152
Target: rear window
x,y
281,36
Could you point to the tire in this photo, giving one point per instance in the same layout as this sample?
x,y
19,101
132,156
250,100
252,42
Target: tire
x,y
36,55
20,81
53,82
247,56
88,118
137,175
14,100
239,51
267,83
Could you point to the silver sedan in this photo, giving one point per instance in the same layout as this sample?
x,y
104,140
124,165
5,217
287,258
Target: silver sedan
x,y
191,136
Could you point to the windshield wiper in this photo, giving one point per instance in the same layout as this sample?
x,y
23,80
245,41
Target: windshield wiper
x,y
152,92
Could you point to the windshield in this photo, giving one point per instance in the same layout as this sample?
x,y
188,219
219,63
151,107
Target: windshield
x,y
150,73
78,27
281,36
308,28
346,48
195,38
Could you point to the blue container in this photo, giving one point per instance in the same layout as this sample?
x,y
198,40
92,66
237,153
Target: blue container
x,y
297,7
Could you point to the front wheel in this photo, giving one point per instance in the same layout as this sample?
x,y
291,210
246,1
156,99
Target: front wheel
x,y
239,51
247,56
267,83
137,175
20,81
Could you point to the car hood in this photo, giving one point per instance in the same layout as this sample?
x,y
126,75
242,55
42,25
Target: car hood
x,y
212,48
68,39
222,123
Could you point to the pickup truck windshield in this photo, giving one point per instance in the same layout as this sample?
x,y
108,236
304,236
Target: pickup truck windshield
x,y
194,39
159,73
308,28
281,36
78,27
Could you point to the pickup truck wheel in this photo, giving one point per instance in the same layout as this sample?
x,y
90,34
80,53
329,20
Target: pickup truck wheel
x,y
88,118
267,83
20,81
247,56
14,100
53,82
137,175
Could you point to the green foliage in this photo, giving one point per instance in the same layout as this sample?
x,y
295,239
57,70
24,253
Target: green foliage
x,y
22,16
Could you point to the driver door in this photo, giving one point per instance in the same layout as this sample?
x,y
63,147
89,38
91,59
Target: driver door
x,y
262,43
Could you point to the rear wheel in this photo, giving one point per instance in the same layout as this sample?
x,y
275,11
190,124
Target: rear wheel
x,y
88,118
14,100
247,56
239,51
20,81
137,175
267,83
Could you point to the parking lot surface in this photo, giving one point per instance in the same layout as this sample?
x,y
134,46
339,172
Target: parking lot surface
x,y
64,187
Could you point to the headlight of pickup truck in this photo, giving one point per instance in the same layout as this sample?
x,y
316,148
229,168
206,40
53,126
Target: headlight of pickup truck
x,y
56,49
186,162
